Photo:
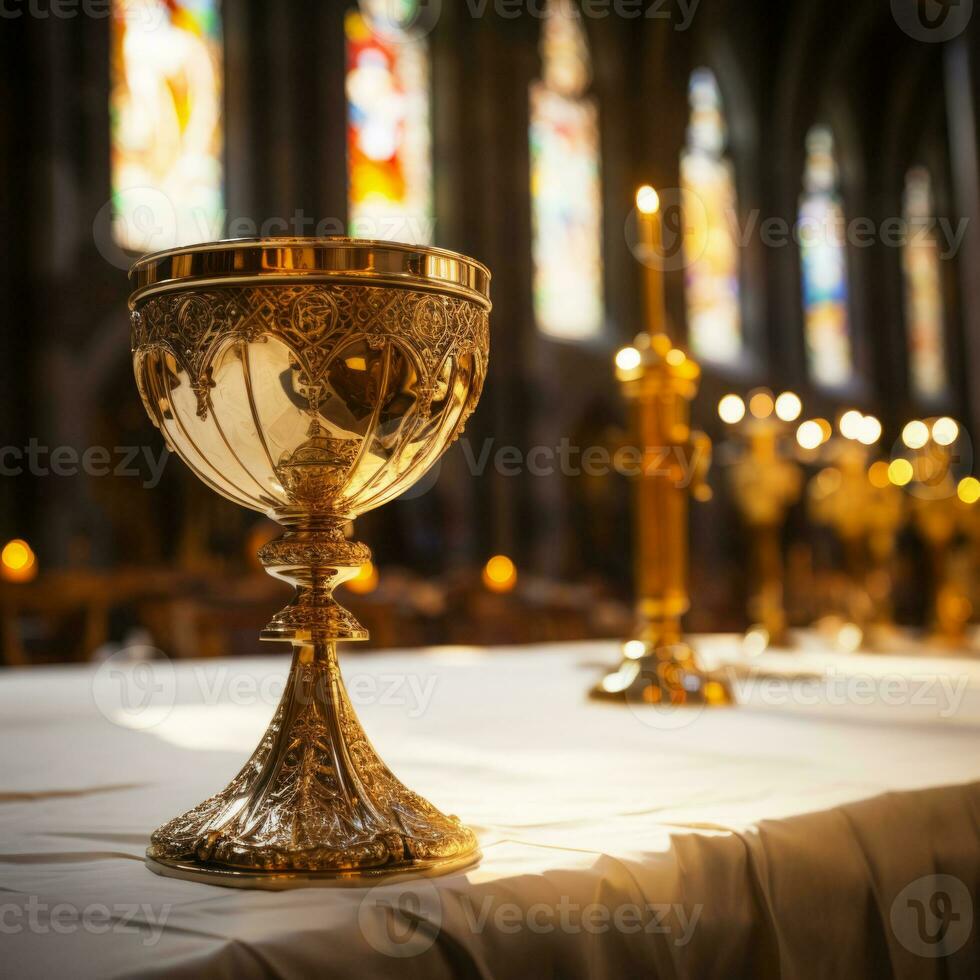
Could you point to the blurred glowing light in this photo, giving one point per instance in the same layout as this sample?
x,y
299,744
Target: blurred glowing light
x,y
761,404
849,637
755,641
675,357
647,200
17,561
945,431
365,581
900,472
500,574
869,430
628,359
810,434
878,474
634,649
789,406
915,434
850,424
968,490
731,409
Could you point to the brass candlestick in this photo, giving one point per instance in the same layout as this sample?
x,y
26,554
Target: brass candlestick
x,y
940,518
311,380
860,502
765,484
659,666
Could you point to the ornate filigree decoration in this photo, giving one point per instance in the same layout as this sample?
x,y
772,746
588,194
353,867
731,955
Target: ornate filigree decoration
x,y
314,796
313,321
373,383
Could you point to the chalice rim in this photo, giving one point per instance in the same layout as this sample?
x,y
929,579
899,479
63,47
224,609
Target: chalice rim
x,y
246,261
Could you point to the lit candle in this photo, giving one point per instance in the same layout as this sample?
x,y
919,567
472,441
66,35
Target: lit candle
x,y
651,241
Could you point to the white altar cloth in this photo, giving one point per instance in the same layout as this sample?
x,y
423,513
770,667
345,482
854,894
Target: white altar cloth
x,y
827,827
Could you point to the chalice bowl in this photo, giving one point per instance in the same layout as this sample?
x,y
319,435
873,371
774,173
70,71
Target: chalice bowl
x,y
311,380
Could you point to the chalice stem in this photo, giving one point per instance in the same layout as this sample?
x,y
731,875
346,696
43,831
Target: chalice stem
x,y
315,797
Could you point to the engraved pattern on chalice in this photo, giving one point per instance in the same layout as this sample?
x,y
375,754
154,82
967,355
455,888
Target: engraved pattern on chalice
x,y
310,380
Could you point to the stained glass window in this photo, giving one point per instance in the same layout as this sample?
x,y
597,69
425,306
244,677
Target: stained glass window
x,y
166,122
566,201
711,275
923,288
824,264
389,139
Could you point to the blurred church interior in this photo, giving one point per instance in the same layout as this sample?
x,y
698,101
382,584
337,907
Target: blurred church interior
x,y
818,198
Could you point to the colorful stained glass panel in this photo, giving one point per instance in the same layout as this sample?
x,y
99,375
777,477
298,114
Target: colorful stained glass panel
x,y
923,288
566,199
711,276
389,140
166,123
824,265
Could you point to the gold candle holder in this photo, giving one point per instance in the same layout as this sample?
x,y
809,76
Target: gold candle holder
x,y
765,484
860,500
941,519
659,666
311,380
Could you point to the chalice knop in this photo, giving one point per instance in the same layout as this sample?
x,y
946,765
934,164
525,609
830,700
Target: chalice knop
x,y
311,380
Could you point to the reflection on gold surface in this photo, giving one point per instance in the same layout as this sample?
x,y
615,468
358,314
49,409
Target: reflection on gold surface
x,y
319,387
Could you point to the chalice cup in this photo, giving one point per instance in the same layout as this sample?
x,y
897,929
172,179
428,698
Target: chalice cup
x,y
311,380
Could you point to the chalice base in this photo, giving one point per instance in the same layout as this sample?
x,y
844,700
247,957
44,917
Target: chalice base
x,y
668,674
313,805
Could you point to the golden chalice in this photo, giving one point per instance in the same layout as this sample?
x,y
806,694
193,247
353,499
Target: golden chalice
x,y
311,380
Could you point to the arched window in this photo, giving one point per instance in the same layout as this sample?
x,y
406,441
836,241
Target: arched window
x,y
824,264
711,276
923,288
389,136
166,122
565,182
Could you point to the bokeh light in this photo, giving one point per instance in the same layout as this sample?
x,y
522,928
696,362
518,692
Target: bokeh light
x,y
628,359
915,434
731,409
365,581
810,434
17,561
968,490
500,574
900,472
850,424
789,406
945,431
761,404
647,200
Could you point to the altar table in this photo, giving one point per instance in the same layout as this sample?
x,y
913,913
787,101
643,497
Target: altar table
x,y
828,826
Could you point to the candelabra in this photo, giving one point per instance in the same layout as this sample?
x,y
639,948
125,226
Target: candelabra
x,y
765,483
941,519
659,381
861,502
